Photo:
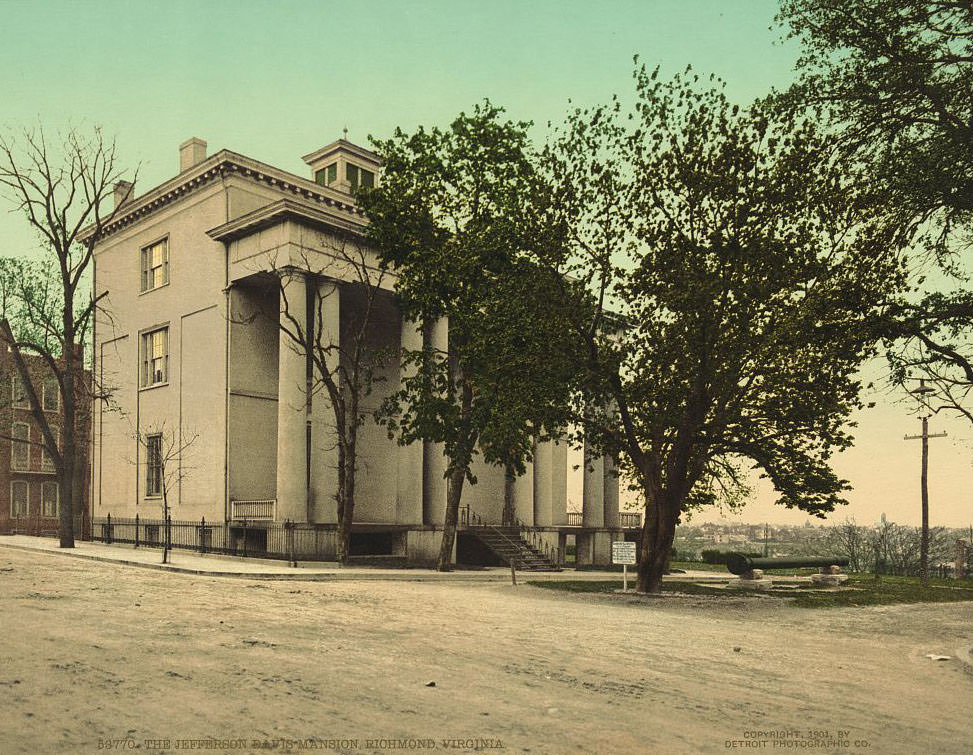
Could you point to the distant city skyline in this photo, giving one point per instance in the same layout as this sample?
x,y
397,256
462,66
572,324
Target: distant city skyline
x,y
275,81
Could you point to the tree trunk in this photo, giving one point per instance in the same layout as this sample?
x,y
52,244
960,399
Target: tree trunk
x,y
509,511
344,537
347,514
454,491
165,517
658,533
68,446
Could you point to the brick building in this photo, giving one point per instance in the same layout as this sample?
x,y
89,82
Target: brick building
x,y
29,492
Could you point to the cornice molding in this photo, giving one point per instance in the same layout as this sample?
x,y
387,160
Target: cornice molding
x,y
226,164
276,212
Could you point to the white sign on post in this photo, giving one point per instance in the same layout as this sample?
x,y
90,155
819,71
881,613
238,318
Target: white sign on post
x,y
623,553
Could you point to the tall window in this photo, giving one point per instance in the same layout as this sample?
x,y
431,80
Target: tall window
x,y
359,177
49,499
52,394
19,447
327,175
18,499
155,265
155,357
153,466
47,462
18,392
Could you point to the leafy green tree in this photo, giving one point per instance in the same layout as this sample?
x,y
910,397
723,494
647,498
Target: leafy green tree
x,y
734,267
897,83
449,219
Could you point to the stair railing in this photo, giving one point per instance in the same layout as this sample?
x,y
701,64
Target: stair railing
x,y
519,547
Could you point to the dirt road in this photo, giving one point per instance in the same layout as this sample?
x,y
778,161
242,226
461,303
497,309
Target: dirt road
x,y
98,656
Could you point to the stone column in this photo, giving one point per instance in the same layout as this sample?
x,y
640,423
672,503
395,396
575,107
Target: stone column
x,y
611,493
559,482
434,469
542,479
408,493
593,500
324,434
524,496
292,403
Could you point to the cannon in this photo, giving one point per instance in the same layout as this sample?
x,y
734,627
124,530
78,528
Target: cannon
x,y
738,564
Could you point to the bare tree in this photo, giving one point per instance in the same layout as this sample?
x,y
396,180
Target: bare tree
x,y
344,362
60,191
850,540
898,549
164,448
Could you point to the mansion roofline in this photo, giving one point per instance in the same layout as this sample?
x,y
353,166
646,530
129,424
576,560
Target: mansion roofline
x,y
228,163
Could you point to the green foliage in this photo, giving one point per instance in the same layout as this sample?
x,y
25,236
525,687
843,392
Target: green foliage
x,y
897,84
862,591
743,264
611,586
451,220
32,299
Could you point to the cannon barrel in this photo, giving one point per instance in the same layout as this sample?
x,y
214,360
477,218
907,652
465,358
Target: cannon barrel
x,y
737,563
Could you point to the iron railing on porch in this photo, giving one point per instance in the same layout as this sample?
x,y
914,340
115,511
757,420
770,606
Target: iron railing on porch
x,y
281,540
254,511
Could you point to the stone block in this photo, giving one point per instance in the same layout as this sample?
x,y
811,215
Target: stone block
x,y
829,580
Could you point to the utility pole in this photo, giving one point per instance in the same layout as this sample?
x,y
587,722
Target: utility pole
x,y
922,391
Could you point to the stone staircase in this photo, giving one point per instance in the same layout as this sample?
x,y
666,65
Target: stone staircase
x,y
507,544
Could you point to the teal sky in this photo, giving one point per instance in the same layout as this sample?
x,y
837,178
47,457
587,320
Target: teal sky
x,y
276,80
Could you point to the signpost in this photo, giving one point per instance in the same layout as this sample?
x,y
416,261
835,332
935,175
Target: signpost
x,y
623,553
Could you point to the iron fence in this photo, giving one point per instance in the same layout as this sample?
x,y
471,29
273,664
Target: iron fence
x,y
279,540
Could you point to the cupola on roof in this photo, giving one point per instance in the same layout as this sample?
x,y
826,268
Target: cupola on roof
x,y
344,166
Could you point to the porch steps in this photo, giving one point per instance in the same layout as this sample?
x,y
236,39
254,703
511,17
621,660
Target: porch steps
x,y
507,544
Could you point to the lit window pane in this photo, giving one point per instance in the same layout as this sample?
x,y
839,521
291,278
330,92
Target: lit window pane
x,y
155,265
155,357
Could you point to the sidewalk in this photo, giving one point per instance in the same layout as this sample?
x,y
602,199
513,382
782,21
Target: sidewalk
x,y
213,565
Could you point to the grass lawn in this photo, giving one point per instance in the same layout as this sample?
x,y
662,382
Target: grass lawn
x,y
858,591
703,566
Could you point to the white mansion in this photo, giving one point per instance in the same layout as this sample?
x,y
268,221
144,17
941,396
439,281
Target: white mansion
x,y
184,268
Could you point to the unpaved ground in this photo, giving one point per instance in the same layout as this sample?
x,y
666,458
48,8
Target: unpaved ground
x,y
92,652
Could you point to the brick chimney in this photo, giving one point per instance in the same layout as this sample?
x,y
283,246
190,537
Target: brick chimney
x,y
124,192
191,152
